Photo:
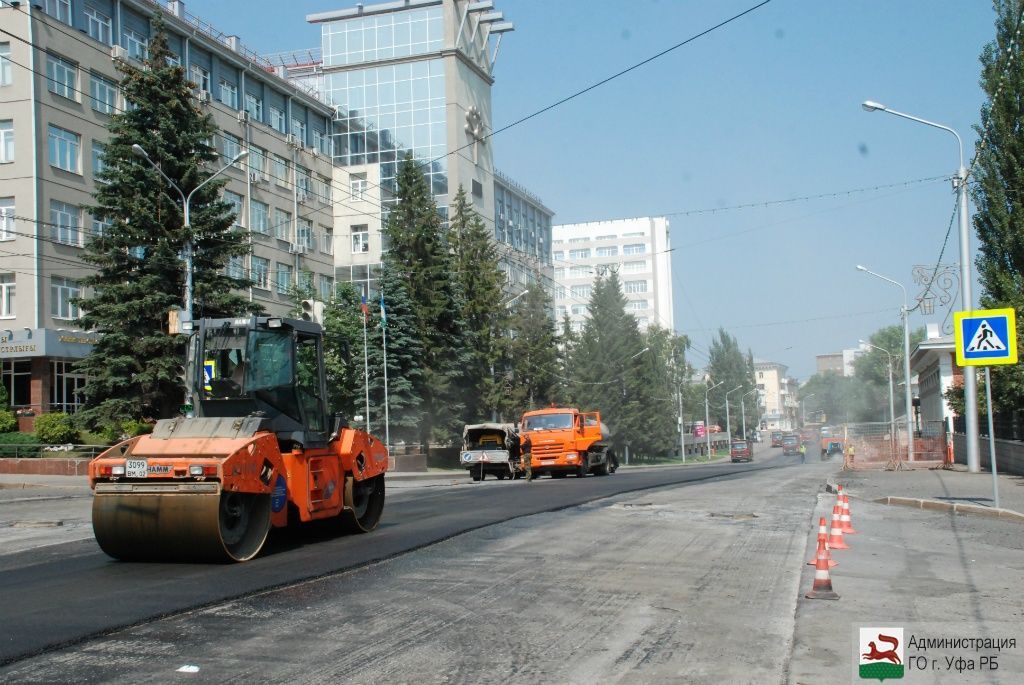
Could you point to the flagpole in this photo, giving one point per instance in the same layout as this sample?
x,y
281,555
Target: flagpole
x,y
384,335
366,375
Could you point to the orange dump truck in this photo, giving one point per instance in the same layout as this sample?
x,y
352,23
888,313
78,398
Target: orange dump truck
x,y
562,440
260,451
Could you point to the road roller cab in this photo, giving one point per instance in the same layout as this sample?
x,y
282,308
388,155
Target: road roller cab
x,y
258,444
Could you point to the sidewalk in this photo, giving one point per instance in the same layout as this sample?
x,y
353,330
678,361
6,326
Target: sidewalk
x,y
938,575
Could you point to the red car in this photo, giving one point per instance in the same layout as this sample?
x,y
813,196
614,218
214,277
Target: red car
x,y
741,450
776,438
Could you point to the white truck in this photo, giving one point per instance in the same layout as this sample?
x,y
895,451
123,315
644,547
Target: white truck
x,y
491,448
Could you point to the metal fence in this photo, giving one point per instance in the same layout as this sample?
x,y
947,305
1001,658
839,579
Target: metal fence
x,y
1005,425
875,445
22,450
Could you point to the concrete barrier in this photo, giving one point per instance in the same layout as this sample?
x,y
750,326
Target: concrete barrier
x,y
45,466
1009,454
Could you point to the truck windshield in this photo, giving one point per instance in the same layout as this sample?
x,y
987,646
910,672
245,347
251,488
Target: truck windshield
x,y
238,362
547,422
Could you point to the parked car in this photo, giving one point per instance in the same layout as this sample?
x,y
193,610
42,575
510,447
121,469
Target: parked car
x,y
790,444
776,438
741,450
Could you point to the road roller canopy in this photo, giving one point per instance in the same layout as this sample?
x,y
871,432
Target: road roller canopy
x,y
261,366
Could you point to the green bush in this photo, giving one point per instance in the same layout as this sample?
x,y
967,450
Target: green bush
x,y
56,428
8,421
5,401
18,445
116,432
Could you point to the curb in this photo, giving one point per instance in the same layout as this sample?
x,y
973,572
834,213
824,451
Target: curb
x,y
934,505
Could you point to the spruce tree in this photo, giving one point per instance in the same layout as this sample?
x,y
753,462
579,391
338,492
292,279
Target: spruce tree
x,y
419,250
140,275
532,353
485,316
998,188
728,365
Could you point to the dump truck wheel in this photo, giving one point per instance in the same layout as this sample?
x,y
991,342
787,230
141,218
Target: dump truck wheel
x,y
475,475
364,504
582,469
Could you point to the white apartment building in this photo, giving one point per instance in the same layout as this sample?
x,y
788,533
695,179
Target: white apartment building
x,y
58,88
777,394
637,248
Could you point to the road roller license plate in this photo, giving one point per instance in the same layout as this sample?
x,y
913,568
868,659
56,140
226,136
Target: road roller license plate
x,y
136,468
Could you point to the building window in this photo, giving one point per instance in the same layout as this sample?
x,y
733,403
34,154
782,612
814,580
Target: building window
x,y
62,291
98,163
100,226
305,233
135,43
580,291
305,281
259,217
65,220
283,279
322,142
228,94
606,237
282,223
635,287
302,181
279,170
578,240
559,273
98,25
360,239
559,311
6,296
65,147
66,387
560,292
326,288
633,267
638,304
277,120
579,309
235,267
6,218
235,200
580,254
634,248
324,189
635,234
326,240
299,130
232,146
5,64
200,77
59,10
357,186
62,76
559,256
103,93
611,251
261,273
254,106
580,271
258,162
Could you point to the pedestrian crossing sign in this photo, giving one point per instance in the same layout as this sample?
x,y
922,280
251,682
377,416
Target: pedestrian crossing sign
x,y
985,337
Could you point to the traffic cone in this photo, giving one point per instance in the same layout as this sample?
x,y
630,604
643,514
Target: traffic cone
x,y
822,587
822,540
845,519
835,536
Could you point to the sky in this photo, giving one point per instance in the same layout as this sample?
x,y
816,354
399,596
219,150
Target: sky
x,y
763,110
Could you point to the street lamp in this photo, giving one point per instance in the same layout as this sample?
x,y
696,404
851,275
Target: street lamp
x,y
743,410
803,409
186,201
728,423
892,403
966,299
707,416
906,360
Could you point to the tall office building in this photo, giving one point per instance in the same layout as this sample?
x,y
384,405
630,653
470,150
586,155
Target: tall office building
x,y
638,248
58,88
415,76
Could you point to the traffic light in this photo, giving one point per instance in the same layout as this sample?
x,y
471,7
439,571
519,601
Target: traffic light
x,y
313,310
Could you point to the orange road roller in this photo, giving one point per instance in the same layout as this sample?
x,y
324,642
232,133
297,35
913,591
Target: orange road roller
x,y
257,451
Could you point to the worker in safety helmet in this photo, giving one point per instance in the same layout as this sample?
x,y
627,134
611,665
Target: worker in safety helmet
x,y
526,459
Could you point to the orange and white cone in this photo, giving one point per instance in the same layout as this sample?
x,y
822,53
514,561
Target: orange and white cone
x,y
835,534
844,518
822,541
822,587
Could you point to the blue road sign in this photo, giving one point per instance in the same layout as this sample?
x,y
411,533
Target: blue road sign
x,y
985,337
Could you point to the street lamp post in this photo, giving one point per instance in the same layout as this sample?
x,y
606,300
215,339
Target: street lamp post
x,y
966,299
892,404
803,409
186,201
707,416
728,423
906,361
743,410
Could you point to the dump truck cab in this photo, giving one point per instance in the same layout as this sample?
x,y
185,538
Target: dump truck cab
x,y
564,440
256,449
490,448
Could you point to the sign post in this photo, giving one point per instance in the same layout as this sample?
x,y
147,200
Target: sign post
x,y
986,337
